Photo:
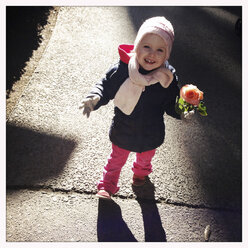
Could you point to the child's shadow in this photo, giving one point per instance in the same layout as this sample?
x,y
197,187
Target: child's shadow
x,y
110,225
154,231
112,228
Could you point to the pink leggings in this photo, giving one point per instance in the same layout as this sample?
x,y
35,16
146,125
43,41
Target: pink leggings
x,y
111,172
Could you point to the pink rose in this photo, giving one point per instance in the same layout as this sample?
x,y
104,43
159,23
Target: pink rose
x,y
191,94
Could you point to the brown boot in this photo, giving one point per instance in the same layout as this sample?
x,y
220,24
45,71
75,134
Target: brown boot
x,y
138,180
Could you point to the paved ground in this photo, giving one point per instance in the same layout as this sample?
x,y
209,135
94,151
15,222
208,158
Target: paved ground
x,y
55,155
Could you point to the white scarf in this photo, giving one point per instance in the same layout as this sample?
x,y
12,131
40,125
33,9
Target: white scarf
x,y
130,91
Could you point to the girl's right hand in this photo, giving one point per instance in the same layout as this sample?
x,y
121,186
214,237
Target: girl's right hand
x,y
88,104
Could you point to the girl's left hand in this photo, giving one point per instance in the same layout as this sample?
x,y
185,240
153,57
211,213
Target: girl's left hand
x,y
187,115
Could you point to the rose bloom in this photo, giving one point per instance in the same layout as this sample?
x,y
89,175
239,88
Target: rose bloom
x,y
191,94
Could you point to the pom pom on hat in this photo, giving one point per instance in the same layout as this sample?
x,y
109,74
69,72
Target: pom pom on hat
x,y
160,26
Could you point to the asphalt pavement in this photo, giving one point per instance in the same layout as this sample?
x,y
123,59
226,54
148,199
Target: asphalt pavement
x,y
55,155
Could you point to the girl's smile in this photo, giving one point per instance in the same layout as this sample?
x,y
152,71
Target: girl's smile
x,y
149,61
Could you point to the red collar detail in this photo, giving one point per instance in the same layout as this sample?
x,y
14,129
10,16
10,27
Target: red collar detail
x,y
124,51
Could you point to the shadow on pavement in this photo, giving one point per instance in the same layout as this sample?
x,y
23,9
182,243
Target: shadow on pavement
x,y
112,228
32,157
154,231
23,25
110,225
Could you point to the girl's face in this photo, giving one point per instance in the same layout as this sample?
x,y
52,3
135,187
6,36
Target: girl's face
x,y
151,52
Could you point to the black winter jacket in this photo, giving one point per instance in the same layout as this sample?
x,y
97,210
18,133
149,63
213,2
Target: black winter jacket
x,y
144,129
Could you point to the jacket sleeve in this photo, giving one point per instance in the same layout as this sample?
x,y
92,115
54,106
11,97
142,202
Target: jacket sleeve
x,y
107,87
173,92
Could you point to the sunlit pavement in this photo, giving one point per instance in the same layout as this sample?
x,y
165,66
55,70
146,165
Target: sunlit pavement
x,y
56,153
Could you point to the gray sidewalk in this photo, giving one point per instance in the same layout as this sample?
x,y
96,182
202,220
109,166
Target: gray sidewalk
x,y
55,155
43,215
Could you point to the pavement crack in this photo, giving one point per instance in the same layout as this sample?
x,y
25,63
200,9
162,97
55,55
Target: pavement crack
x,y
47,188
197,206
132,197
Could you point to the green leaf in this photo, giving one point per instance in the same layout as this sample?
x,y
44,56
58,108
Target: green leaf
x,y
178,109
181,101
179,106
202,109
202,113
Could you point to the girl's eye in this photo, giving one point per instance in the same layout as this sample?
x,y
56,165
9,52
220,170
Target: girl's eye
x,y
161,50
146,46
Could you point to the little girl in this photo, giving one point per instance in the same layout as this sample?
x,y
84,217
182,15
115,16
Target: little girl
x,y
144,87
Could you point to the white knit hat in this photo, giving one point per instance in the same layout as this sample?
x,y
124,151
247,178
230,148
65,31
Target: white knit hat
x,y
157,25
